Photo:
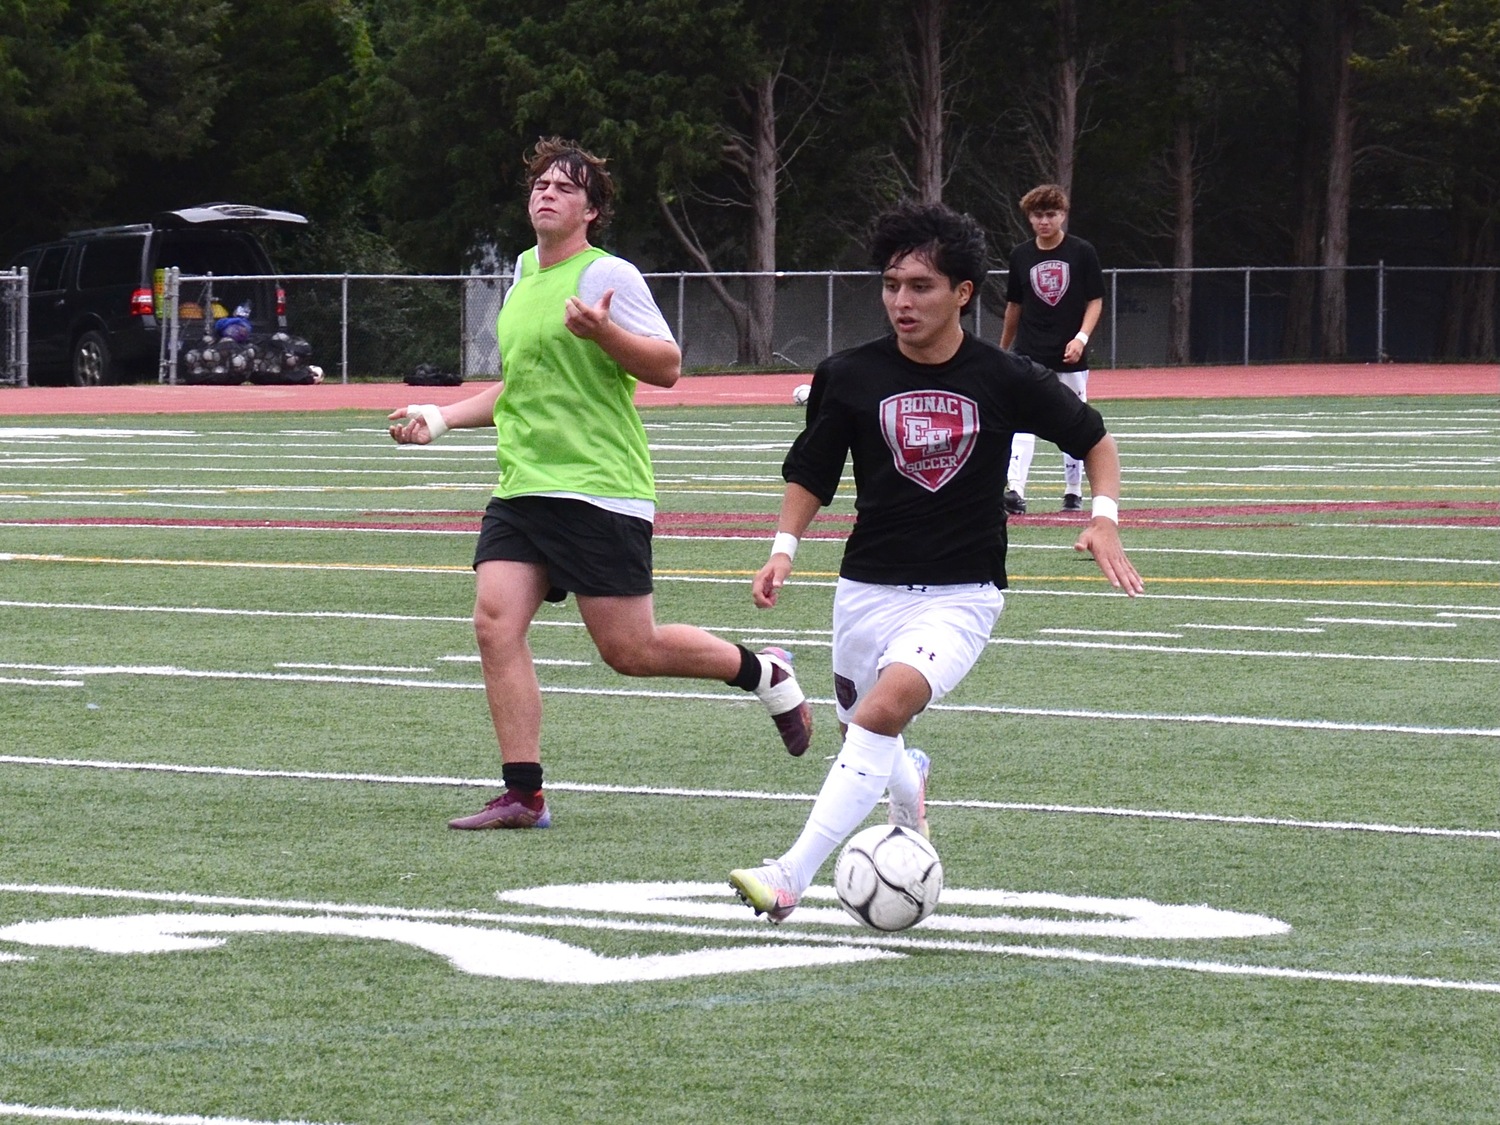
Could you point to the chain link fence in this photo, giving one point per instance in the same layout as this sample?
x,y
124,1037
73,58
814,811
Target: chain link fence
x,y
383,326
13,324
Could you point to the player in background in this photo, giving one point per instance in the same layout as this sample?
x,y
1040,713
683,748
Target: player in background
x,y
1053,298
927,414
574,506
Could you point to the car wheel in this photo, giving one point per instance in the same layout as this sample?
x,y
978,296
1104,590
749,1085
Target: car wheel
x,y
92,364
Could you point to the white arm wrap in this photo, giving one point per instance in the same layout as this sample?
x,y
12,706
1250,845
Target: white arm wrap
x,y
430,414
785,543
1107,507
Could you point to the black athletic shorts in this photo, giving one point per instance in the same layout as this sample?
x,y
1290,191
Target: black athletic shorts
x,y
586,549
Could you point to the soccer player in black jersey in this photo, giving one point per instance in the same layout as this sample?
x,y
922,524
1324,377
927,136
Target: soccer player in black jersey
x,y
1054,294
927,414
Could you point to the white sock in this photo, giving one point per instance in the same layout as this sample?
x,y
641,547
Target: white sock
x,y
904,778
1022,448
852,788
1072,475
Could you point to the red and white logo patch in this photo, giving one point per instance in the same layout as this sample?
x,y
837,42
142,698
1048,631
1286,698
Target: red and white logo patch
x,y
930,434
1049,280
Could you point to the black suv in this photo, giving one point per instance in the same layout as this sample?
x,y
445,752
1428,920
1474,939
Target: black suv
x,y
95,294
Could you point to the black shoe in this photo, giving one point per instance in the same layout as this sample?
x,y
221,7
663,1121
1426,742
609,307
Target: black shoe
x,y
1015,503
1072,502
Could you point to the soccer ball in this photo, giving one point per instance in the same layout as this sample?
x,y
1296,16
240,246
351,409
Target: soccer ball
x,y
800,393
888,878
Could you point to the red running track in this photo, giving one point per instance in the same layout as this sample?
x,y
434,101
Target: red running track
x,y
1287,381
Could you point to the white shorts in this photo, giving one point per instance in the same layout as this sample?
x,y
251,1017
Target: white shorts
x,y
938,630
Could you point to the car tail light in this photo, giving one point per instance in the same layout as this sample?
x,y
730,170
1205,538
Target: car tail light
x,y
280,301
141,303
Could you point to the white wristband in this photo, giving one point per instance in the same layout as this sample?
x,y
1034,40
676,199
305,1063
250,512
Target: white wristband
x,y
1082,337
1106,507
785,543
430,414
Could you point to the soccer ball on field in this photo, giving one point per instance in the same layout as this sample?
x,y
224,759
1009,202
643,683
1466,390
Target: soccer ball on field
x,y
800,393
888,878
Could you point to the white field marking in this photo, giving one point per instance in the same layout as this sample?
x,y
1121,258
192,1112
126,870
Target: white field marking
x,y
806,641
1409,468
223,510
126,523
1253,628
1481,612
17,682
1291,654
168,671
391,668
784,640
795,932
1229,554
473,658
1256,436
241,471
213,612
1415,526
129,523
477,950
747,795
1385,621
10,433
1245,599
129,1116
1213,720
373,568
1109,633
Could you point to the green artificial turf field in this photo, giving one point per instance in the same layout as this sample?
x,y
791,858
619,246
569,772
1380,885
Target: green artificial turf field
x,y
1226,852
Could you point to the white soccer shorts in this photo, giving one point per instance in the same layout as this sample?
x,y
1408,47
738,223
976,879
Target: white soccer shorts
x,y
938,630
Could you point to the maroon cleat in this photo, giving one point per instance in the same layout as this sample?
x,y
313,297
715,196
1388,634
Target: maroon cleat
x,y
508,811
789,708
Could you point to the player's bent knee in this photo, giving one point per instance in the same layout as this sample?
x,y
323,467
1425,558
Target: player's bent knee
x,y
626,657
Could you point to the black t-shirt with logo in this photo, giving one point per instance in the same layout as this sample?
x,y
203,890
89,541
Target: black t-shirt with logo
x,y
931,444
1053,288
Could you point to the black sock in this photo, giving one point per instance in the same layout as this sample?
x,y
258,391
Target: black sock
x,y
524,777
749,675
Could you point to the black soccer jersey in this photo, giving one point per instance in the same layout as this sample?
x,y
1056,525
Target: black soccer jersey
x,y
1053,288
930,444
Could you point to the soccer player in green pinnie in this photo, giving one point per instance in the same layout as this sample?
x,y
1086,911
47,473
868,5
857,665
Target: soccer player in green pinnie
x,y
573,509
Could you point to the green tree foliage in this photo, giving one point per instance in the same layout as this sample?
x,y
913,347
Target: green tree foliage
x,y
464,87
1433,71
86,90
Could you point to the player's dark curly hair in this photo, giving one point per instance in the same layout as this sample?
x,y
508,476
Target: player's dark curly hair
x,y
955,244
582,167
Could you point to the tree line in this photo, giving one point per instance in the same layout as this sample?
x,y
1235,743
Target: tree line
x,y
755,135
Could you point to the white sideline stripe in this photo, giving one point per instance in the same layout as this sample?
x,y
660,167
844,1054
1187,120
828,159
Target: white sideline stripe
x,y
1251,628
1223,553
129,523
167,670
374,568
751,795
1480,612
211,611
1384,621
1290,654
1108,633
130,1117
18,682
783,933
1293,654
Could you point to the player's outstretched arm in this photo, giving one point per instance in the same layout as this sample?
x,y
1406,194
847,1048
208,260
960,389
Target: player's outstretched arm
x,y
1102,536
798,506
414,424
